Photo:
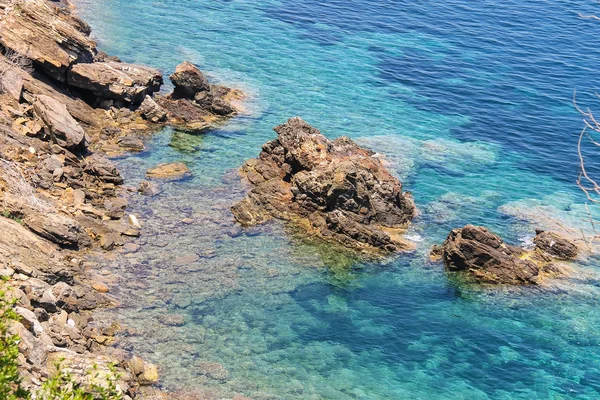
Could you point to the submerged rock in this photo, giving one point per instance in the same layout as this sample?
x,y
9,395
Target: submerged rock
x,y
175,170
335,189
488,259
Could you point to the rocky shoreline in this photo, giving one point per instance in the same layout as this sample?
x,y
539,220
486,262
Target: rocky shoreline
x,y
64,107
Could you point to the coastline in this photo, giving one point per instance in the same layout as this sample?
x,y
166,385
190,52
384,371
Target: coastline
x,y
62,200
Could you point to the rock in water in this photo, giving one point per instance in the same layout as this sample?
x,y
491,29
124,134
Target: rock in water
x,y
336,189
188,80
488,259
554,245
172,171
62,126
116,81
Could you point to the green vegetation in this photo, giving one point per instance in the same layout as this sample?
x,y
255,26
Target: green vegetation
x,y
62,386
10,380
8,214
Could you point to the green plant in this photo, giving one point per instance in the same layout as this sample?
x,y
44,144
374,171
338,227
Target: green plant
x,y
62,386
8,214
10,380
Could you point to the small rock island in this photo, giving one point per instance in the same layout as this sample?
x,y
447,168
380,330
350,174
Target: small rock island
x,y
333,189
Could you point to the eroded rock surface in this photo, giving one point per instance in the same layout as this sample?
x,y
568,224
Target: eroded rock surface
x,y
488,259
52,39
116,81
336,189
61,126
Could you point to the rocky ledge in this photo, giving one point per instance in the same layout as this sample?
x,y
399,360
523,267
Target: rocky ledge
x,y
333,189
487,259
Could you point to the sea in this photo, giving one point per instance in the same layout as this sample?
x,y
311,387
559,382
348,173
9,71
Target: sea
x,y
470,102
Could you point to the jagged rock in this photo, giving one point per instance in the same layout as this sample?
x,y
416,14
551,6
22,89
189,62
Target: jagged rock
x,y
116,81
488,259
175,170
49,37
188,80
47,223
554,245
131,143
103,168
151,111
61,125
335,188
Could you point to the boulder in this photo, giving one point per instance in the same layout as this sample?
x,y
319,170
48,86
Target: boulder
x,y
116,81
61,126
101,167
175,170
151,111
337,189
188,80
58,229
487,258
50,37
554,245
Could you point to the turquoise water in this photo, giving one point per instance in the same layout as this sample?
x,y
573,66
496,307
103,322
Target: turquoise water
x,y
471,103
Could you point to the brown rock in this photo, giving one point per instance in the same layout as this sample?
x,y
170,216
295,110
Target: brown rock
x,y
116,81
335,188
487,258
51,38
175,170
57,228
151,111
146,373
11,82
100,287
554,245
188,80
61,126
103,168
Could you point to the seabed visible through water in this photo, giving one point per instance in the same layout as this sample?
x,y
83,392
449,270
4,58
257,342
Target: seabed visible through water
x,y
470,103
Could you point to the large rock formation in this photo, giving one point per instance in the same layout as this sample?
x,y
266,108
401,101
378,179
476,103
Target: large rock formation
x,y
486,258
41,32
116,81
336,189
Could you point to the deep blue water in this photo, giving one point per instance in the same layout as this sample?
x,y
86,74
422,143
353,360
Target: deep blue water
x,y
471,102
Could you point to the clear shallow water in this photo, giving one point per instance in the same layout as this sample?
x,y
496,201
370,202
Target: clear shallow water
x,y
471,104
